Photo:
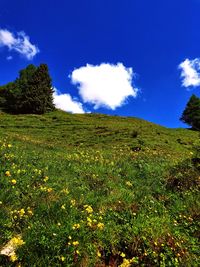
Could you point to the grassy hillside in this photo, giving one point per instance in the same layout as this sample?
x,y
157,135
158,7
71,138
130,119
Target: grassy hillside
x,y
97,190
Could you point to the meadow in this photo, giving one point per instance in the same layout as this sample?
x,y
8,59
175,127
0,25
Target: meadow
x,y
97,190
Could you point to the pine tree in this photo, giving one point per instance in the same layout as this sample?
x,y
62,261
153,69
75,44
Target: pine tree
x,y
30,93
191,114
16,89
38,95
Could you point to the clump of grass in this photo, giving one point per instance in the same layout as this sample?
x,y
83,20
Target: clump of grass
x,y
184,176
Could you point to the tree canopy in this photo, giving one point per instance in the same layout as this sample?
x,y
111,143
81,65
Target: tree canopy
x,y
191,114
30,93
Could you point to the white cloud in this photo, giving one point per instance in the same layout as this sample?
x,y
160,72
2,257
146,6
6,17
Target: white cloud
x,y
19,43
66,103
104,85
190,72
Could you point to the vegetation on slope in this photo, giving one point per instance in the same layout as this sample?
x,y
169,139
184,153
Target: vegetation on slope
x,y
96,190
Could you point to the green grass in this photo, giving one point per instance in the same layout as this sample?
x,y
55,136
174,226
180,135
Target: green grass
x,y
97,190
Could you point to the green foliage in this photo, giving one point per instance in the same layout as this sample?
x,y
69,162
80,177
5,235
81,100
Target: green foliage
x,y
30,93
191,114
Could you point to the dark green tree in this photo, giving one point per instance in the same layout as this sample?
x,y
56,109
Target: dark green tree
x,y
15,90
37,94
2,98
30,93
191,114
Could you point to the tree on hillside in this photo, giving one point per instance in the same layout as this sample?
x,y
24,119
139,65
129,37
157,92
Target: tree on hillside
x,y
191,114
38,93
30,93
15,90
2,98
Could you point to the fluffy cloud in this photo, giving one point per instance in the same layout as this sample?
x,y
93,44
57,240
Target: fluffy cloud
x,y
190,72
104,85
66,103
19,43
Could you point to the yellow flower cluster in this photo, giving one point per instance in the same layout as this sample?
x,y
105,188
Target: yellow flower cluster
x,y
74,243
100,226
128,183
76,226
13,257
22,213
88,208
46,178
73,202
126,263
17,241
46,189
94,224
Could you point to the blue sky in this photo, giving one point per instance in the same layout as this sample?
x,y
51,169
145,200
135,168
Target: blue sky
x,y
108,56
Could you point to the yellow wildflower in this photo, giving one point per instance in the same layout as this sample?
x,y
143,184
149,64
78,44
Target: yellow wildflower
x,y
46,178
88,208
129,183
98,254
13,257
76,226
7,173
62,258
73,202
126,262
63,207
89,221
9,145
13,181
123,255
21,212
75,243
17,241
100,225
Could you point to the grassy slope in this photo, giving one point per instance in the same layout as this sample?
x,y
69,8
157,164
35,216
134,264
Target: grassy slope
x,y
124,169
60,129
